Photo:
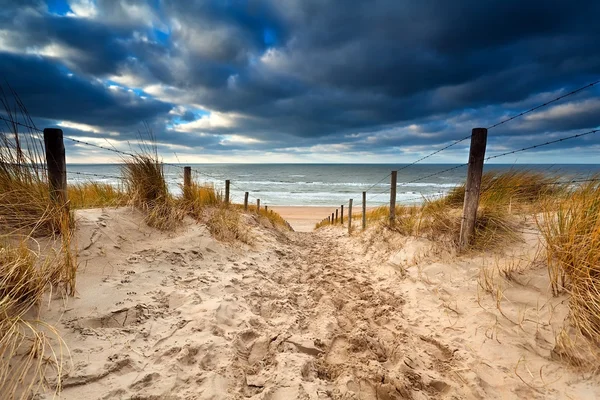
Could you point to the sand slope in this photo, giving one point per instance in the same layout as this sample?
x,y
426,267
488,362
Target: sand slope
x,y
302,316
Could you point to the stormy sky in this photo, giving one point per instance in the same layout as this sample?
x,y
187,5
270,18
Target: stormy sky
x,y
307,80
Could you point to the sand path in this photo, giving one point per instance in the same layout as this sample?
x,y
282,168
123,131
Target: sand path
x,y
317,315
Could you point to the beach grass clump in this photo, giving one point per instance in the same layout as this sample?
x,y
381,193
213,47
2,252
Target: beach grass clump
x,y
571,229
145,184
25,203
514,190
96,195
27,350
224,223
274,218
504,195
322,224
197,197
27,212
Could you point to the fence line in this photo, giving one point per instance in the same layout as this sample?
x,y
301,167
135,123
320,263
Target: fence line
x,y
476,181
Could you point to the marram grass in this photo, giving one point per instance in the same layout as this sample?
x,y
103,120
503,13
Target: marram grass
x,y
147,190
503,195
571,229
96,195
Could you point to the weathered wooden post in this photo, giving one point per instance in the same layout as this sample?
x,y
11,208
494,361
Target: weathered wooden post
x,y
246,201
227,183
336,215
187,181
57,165
266,208
329,219
350,217
364,211
473,185
393,197
258,205
342,214
332,219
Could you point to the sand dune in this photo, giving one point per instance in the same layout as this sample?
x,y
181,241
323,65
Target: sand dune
x,y
317,315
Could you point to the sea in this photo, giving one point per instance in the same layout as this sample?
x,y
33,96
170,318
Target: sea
x,y
326,184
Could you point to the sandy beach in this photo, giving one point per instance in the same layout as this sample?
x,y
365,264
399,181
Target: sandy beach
x,y
297,315
303,219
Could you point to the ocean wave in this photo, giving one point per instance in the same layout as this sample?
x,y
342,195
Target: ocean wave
x,y
345,184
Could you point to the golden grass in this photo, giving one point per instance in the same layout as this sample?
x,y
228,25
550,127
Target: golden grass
x,y
515,190
96,195
571,229
224,223
197,197
25,203
268,218
26,349
274,218
144,180
26,211
504,195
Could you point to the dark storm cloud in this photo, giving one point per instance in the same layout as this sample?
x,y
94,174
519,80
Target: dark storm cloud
x,y
300,73
49,93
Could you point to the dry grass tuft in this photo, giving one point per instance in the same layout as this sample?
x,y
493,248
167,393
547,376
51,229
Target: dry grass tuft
x,y
144,180
25,203
26,211
274,219
224,223
197,197
571,229
504,195
96,195
27,353
514,190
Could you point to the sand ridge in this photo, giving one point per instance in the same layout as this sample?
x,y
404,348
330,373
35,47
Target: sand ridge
x,y
317,315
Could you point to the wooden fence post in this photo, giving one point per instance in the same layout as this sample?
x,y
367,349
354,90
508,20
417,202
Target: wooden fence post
x,y
56,164
329,219
187,181
473,185
332,219
393,197
266,208
350,217
336,215
342,214
257,205
364,211
246,201
227,183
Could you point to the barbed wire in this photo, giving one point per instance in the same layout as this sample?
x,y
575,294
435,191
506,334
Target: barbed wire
x,y
378,182
542,144
12,122
573,92
589,85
